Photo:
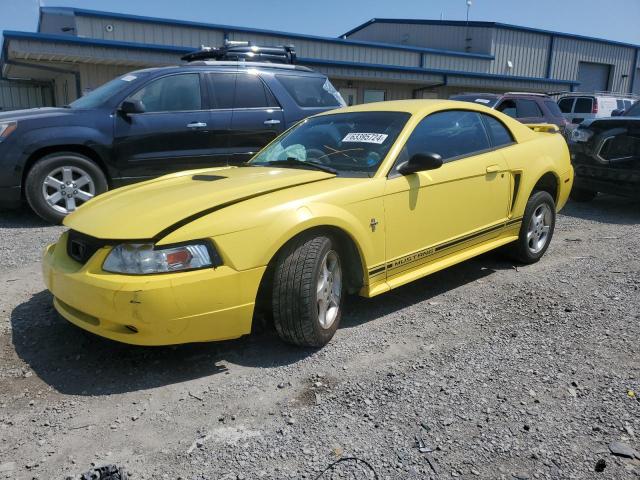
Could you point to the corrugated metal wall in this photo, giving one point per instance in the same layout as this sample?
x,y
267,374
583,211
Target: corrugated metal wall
x,y
567,53
526,51
16,95
430,36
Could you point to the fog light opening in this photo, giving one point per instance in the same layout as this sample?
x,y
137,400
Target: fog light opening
x,y
132,328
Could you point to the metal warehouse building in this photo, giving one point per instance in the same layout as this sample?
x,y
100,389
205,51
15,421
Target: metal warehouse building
x,y
76,50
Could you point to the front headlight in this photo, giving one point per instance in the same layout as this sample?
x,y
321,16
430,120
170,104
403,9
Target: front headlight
x,y
7,129
581,135
146,258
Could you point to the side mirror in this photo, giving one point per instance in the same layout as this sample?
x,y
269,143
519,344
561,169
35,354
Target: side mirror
x,y
419,163
617,112
132,106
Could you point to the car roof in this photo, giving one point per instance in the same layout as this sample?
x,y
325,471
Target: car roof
x,y
413,106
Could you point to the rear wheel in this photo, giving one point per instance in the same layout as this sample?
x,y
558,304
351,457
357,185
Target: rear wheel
x,y
537,228
308,292
59,183
582,194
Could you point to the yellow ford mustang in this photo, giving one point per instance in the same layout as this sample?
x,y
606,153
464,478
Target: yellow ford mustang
x,y
362,199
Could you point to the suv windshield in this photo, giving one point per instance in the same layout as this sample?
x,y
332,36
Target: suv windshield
x,y
634,110
350,143
104,92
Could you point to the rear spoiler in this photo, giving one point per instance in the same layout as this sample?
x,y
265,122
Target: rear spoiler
x,y
543,127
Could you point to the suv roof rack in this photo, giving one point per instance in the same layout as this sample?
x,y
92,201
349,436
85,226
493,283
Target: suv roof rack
x,y
200,63
244,52
633,96
538,94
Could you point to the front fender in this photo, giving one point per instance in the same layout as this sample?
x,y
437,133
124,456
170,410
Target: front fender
x,y
257,246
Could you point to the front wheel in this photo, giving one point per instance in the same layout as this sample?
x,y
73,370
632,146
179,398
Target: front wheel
x,y
538,224
308,292
59,183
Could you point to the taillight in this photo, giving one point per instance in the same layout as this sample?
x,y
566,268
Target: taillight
x,y
594,109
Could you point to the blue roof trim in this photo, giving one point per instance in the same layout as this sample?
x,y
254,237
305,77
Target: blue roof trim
x,y
507,26
9,34
310,61
398,68
301,36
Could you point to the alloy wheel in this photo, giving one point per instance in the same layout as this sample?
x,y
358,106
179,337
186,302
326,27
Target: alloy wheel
x,y
66,188
539,228
329,289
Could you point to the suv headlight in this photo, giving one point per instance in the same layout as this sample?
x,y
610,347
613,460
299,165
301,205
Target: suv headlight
x,y
581,135
6,129
146,258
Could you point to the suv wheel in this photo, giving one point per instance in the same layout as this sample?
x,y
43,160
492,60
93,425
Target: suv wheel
x,y
308,292
59,183
537,228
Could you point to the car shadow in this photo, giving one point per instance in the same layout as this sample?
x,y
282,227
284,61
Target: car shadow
x,y
22,217
75,362
605,209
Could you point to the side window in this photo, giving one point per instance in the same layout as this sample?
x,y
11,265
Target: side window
x,y
553,108
223,88
528,109
583,105
508,107
171,94
450,134
500,135
566,104
251,92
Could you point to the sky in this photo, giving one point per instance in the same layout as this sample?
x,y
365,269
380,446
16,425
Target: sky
x,y
610,19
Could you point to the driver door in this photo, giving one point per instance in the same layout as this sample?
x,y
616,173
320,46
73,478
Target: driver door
x,y
435,213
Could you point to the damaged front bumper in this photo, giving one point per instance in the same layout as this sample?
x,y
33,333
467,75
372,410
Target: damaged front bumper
x,y
163,309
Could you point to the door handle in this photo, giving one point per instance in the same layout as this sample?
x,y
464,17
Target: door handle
x,y
271,122
196,125
493,168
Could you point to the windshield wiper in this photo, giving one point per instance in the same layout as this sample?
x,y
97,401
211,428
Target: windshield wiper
x,y
294,162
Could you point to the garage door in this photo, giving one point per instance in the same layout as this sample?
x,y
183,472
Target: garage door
x,y
593,77
636,82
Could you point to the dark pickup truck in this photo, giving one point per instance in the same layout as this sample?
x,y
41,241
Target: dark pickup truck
x,y
605,153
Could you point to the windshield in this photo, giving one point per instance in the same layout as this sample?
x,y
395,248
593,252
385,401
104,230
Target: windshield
x,y
634,110
104,92
350,143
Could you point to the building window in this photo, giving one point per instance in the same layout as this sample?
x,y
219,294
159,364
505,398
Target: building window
x,y
374,96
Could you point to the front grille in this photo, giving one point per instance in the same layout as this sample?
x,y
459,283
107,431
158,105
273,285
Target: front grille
x,y
81,247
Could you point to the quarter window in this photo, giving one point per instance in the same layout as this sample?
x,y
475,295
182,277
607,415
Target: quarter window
x,y
171,94
500,136
566,104
528,109
583,105
450,134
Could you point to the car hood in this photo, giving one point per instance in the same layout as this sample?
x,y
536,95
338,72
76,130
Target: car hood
x,y
153,209
33,113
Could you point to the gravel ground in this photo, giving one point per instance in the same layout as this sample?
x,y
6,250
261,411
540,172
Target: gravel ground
x,y
480,371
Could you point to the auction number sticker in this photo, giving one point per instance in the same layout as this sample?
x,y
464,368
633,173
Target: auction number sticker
x,y
365,137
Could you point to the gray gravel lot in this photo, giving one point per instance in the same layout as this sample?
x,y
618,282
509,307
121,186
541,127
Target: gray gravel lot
x,y
480,371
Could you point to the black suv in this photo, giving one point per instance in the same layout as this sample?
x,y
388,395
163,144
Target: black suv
x,y
605,153
152,122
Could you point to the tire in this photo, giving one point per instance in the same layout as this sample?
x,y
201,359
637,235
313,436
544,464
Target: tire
x,y
582,194
536,231
48,179
303,313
